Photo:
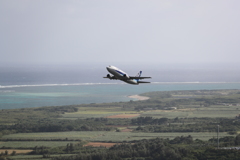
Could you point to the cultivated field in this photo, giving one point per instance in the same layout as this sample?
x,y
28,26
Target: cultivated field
x,y
107,136
97,112
18,151
36,157
124,116
32,144
100,144
215,111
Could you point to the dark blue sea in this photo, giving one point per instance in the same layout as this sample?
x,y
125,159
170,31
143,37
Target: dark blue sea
x,y
24,88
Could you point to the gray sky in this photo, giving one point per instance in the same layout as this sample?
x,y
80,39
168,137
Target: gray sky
x,y
119,31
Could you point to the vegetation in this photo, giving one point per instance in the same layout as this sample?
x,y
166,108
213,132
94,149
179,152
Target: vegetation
x,y
170,125
186,125
177,148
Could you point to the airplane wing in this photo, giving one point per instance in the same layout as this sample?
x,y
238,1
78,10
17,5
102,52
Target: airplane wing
x,y
139,77
143,82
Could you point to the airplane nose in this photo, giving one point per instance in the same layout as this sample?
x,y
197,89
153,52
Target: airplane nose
x,y
108,67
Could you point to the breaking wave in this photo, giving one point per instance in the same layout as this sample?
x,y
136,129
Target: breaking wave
x,y
87,84
193,82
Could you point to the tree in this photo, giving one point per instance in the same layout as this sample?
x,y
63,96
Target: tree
x,y
13,153
71,147
237,139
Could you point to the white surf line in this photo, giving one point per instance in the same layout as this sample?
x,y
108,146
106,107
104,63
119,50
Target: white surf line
x,y
193,82
51,85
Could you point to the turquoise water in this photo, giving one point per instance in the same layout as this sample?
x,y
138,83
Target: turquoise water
x,y
72,94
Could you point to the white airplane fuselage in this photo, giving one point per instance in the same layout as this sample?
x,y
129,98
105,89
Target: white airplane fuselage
x,y
121,75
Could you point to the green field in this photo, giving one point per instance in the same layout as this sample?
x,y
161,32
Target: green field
x,y
104,136
32,144
215,111
96,112
36,157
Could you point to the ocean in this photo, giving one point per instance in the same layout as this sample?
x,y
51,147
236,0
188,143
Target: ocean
x,y
37,88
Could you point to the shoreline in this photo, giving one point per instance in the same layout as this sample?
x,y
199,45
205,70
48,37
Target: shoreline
x,y
92,83
139,98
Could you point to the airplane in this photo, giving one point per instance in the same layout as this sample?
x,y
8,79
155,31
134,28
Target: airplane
x,y
120,75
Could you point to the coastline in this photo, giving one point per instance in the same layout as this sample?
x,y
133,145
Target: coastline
x,y
139,98
12,97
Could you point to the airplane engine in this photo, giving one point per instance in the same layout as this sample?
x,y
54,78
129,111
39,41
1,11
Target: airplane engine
x,y
109,76
126,76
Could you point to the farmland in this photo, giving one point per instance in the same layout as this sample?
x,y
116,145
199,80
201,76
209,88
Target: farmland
x,y
97,136
32,144
166,115
99,144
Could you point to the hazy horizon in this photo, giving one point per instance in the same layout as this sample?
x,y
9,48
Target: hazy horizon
x,y
167,33
60,74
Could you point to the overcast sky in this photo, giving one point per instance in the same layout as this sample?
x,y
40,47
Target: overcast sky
x,y
119,31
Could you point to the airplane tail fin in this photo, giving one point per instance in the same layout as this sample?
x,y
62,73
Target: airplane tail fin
x,y
139,74
138,78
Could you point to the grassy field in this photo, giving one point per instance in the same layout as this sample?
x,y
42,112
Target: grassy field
x,y
100,144
28,157
104,136
36,157
74,135
96,112
32,144
214,111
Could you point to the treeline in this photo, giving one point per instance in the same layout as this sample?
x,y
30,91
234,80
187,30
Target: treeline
x,y
227,141
28,114
151,124
58,109
149,121
33,119
145,124
55,125
153,149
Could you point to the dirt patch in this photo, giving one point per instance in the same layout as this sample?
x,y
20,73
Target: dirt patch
x,y
140,98
99,144
124,116
17,151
